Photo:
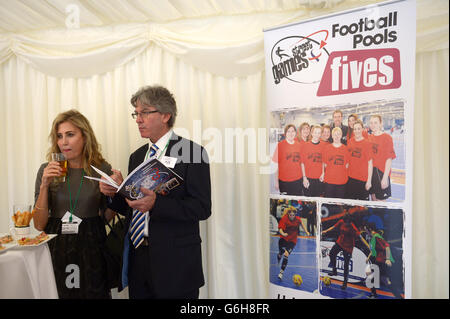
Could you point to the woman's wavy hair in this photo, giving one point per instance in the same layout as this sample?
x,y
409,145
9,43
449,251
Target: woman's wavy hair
x,y
91,154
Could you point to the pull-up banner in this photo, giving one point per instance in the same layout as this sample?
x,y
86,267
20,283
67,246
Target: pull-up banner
x,y
340,97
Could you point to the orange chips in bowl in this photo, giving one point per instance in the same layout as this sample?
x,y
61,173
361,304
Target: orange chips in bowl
x,y
22,219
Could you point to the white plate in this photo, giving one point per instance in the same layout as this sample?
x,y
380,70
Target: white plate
x,y
7,246
50,237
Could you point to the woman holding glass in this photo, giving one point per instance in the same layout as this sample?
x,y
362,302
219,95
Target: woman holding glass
x,y
72,209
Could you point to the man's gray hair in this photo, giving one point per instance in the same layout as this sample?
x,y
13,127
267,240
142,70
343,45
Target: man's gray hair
x,y
160,98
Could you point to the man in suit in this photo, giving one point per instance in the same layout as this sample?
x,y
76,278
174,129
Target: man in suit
x,y
167,262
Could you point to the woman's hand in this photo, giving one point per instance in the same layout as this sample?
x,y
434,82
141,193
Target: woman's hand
x,y
53,169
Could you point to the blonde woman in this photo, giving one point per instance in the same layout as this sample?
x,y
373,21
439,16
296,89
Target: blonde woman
x,y
76,197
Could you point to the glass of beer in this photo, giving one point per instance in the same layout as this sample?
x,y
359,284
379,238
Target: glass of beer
x,y
59,157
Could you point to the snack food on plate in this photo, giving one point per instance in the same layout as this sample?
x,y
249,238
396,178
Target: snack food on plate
x,y
6,239
30,241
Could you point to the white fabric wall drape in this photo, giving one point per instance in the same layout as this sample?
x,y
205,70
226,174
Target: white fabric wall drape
x,y
431,159
216,73
235,240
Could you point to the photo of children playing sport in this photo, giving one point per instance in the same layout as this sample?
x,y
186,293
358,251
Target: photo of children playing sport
x,y
293,227
361,252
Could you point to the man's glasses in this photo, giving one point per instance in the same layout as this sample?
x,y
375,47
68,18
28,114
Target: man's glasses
x,y
143,115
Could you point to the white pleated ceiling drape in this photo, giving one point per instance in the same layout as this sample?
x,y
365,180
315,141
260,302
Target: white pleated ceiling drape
x,y
222,44
210,55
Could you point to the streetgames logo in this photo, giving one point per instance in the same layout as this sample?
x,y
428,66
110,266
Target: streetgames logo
x,y
292,55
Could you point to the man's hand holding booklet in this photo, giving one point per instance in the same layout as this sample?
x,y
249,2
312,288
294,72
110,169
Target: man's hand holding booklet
x,y
151,174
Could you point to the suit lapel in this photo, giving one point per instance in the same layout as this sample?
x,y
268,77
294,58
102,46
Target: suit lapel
x,y
174,149
173,140
138,157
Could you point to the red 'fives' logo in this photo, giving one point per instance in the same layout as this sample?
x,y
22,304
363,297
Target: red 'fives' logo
x,y
360,71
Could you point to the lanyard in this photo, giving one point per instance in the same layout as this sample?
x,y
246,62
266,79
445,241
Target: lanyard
x,y
72,208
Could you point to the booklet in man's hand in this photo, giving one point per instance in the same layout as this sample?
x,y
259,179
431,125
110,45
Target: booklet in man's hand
x,y
151,174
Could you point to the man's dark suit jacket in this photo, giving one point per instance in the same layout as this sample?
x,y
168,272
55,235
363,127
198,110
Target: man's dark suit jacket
x,y
174,236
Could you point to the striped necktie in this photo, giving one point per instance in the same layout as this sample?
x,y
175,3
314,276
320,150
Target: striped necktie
x,y
138,220
153,150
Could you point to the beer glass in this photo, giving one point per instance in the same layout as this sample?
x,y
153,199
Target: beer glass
x,y
59,157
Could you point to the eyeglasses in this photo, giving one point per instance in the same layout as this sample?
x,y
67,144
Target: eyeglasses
x,y
143,115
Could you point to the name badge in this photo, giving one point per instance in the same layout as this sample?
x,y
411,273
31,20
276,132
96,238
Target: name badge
x,y
70,227
169,161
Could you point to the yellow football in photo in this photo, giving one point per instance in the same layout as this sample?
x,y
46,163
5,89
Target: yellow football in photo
x,y
297,279
327,280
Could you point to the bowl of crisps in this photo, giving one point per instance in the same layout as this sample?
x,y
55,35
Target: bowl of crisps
x,y
22,217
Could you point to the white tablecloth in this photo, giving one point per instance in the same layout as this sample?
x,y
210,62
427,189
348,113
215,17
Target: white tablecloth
x,y
27,272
